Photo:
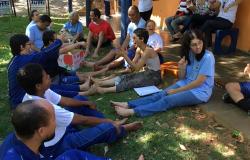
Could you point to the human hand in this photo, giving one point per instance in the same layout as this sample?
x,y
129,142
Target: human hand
x,y
182,63
92,105
247,70
171,91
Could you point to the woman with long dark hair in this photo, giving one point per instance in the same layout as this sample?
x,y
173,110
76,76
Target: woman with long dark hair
x,y
196,81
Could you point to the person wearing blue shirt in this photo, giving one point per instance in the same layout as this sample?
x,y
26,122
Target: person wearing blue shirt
x,y
196,74
21,51
74,27
35,32
34,123
34,18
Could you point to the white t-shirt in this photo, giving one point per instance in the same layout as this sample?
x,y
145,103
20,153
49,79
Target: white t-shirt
x,y
231,13
132,27
145,5
63,117
155,41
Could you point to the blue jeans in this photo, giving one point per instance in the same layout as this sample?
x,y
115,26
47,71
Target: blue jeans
x,y
74,154
107,8
160,102
84,110
173,23
102,133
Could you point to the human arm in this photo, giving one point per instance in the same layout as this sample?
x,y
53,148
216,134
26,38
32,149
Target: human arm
x,y
70,47
126,42
65,101
196,83
141,62
182,64
247,70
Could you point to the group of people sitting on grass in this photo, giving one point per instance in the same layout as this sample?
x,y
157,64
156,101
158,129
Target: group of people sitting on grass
x,y
49,103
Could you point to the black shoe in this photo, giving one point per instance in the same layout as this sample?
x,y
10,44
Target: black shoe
x,y
227,99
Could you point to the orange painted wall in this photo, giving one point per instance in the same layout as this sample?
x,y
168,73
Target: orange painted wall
x,y
165,8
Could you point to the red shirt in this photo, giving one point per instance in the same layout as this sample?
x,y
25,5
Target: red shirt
x,y
104,27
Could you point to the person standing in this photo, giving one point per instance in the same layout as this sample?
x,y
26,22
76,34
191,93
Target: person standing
x,y
145,8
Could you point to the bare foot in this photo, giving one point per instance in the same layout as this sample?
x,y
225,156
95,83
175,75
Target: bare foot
x,y
124,112
87,64
133,126
120,104
100,90
121,122
95,56
86,85
141,157
92,90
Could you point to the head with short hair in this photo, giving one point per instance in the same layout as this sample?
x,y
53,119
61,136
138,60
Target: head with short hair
x,y
74,17
134,14
34,16
34,117
44,22
49,37
193,41
142,34
19,43
33,78
150,26
95,14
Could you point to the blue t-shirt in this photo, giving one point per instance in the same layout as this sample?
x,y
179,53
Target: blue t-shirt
x,y
36,36
73,29
32,23
14,149
132,27
203,67
16,92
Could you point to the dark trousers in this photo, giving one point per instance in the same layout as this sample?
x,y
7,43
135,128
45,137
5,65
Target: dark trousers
x,y
107,8
146,15
211,26
198,20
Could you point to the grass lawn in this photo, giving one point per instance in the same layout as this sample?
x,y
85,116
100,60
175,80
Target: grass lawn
x,y
184,133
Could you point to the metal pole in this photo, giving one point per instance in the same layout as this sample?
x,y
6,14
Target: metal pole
x,y
70,9
125,4
88,8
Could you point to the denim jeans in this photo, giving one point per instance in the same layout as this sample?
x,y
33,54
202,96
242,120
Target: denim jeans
x,y
84,110
173,23
211,26
162,102
102,133
107,8
131,54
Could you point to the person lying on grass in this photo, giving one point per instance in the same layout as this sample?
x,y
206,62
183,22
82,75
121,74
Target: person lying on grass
x,y
196,74
145,56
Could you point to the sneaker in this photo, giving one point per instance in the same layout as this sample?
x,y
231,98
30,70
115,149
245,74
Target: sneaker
x,y
227,99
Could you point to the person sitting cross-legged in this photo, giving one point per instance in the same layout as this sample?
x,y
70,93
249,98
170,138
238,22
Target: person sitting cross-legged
x,y
74,27
239,92
36,82
34,123
100,32
196,73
